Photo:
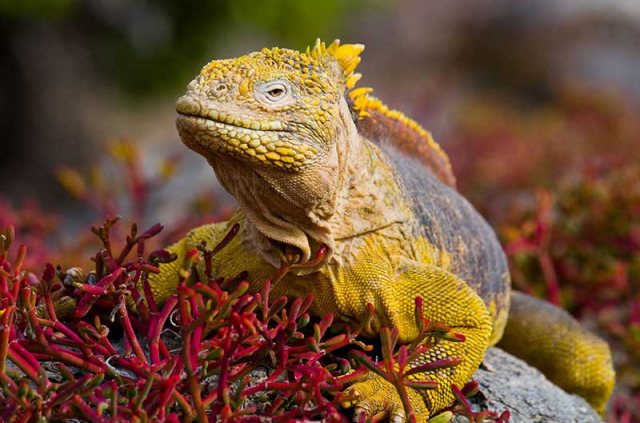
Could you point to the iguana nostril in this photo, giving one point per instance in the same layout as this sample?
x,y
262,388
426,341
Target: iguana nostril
x,y
220,89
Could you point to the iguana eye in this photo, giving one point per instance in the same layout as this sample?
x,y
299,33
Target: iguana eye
x,y
274,93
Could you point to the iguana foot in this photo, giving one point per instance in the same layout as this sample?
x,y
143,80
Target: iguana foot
x,y
375,395
63,307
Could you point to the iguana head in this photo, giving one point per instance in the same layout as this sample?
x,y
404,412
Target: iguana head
x,y
277,128
275,108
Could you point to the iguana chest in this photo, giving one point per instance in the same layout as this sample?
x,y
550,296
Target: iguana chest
x,y
234,260
361,272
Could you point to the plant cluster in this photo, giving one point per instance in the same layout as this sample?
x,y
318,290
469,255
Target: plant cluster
x,y
195,357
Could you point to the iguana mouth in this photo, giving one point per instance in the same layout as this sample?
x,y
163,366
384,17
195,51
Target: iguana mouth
x,y
187,106
233,123
268,143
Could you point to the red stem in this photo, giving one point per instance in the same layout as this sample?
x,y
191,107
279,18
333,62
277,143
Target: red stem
x,y
4,335
130,334
87,411
549,272
24,364
158,323
194,383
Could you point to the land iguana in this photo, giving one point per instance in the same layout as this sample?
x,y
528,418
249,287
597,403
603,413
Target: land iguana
x,y
314,161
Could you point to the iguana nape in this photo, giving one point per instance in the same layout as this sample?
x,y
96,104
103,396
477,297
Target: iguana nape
x,y
313,160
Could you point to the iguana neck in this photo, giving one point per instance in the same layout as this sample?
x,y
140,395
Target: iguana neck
x,y
352,191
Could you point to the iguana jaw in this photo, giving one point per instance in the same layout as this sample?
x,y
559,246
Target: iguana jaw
x,y
213,129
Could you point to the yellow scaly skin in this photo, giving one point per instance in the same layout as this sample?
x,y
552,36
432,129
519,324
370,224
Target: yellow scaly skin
x,y
280,129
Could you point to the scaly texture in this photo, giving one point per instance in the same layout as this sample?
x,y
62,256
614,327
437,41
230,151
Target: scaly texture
x,y
582,361
312,161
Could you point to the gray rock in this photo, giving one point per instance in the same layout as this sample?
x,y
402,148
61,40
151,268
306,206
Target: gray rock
x,y
508,383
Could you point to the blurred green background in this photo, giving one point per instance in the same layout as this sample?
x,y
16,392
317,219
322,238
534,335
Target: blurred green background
x,y
536,103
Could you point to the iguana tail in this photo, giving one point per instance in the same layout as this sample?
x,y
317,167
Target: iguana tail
x,y
551,340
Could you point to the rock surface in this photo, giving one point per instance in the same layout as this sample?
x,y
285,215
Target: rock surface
x,y
508,383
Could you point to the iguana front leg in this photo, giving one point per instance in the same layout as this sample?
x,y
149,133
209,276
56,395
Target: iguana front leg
x,y
446,299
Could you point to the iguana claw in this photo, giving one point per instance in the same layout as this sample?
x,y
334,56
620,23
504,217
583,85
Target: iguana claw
x,y
376,396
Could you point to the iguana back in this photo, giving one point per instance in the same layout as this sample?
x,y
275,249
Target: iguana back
x,y
384,126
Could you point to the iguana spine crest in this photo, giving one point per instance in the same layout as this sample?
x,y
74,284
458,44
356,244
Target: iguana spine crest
x,y
376,119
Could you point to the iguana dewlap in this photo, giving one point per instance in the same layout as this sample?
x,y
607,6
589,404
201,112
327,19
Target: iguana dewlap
x,y
312,161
